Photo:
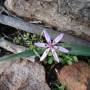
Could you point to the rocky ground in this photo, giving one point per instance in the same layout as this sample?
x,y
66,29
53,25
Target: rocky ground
x,y
69,16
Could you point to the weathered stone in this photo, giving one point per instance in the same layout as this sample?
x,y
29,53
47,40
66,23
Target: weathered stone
x,y
22,75
48,11
79,9
75,77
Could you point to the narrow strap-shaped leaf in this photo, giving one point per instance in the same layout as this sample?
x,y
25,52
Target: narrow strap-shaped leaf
x,y
26,53
77,49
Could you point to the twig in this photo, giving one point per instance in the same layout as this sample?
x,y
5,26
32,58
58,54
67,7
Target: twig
x,y
10,46
37,29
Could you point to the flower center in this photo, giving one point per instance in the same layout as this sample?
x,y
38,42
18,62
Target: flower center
x,y
50,45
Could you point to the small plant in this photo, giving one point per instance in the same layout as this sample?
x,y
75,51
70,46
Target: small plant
x,y
71,50
57,86
51,46
29,39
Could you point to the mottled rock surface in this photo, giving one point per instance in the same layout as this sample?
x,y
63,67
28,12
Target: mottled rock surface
x,y
78,9
52,12
22,75
75,77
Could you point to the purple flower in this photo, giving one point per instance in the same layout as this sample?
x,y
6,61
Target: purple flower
x,y
51,46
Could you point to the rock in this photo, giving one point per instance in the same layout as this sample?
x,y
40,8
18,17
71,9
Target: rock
x,y
22,75
75,77
49,11
79,9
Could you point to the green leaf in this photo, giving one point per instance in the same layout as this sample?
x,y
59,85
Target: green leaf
x,y
50,60
59,87
75,58
49,54
76,49
25,53
62,87
69,62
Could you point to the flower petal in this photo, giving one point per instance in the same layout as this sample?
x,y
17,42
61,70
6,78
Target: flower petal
x,y
58,38
44,54
55,55
62,49
47,37
41,44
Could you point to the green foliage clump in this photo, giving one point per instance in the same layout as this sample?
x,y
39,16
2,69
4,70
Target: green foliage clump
x,y
68,59
27,39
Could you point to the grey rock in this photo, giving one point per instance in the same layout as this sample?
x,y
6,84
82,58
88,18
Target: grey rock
x,y
22,75
76,8
52,12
